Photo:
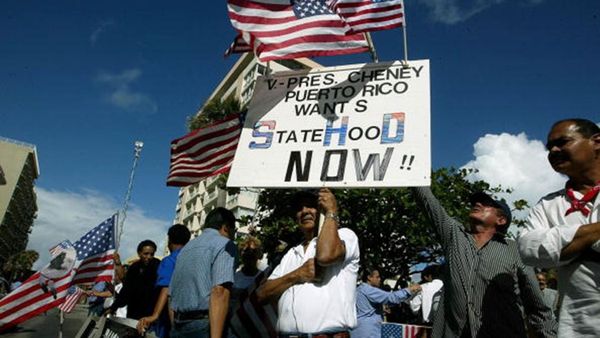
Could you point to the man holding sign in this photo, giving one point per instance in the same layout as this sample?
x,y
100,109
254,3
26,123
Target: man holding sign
x,y
315,282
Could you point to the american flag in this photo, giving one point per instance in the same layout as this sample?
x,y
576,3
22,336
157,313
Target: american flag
x,y
94,263
395,330
289,29
370,15
55,250
239,45
73,295
29,300
95,251
252,319
204,152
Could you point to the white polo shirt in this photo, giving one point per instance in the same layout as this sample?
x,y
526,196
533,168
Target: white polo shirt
x,y
547,231
326,307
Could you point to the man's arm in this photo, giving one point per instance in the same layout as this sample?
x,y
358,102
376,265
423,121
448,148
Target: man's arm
x,y
217,311
145,322
538,314
272,289
583,240
222,272
379,296
442,222
546,245
165,273
102,294
119,270
122,297
330,248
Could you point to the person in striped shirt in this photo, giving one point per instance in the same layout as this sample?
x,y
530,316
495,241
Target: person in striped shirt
x,y
486,285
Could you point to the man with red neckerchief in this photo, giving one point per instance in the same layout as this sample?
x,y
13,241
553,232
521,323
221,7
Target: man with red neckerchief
x,y
563,229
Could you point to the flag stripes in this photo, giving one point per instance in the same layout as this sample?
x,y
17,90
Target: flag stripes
x,y
204,152
29,300
94,252
73,295
287,30
397,330
252,319
96,268
370,15
239,45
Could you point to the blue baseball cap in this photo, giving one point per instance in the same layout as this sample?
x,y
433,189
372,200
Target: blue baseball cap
x,y
486,199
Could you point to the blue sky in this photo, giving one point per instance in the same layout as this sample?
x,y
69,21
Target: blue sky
x,y
84,80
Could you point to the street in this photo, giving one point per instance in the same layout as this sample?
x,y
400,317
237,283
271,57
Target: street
x,y
47,326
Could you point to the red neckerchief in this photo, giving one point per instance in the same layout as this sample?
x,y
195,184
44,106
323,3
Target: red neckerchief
x,y
580,204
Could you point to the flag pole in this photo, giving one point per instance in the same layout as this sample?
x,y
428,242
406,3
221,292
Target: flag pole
x,y
138,145
61,322
405,42
371,47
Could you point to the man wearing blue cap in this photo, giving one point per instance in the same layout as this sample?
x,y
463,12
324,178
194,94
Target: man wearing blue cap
x,y
486,285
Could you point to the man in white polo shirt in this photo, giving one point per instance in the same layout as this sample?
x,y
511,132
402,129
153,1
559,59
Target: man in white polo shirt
x,y
563,228
315,282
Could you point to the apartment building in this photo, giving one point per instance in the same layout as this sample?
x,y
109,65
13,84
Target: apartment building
x,y
18,207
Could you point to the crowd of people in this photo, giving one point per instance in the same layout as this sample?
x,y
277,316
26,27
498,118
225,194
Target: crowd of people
x,y
486,287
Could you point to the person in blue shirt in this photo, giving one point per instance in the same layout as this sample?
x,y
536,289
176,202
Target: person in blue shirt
x,y
96,297
203,277
178,236
369,303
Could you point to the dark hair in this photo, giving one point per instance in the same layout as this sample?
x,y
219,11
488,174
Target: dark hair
x,y
251,240
431,270
218,217
179,234
585,127
368,271
301,198
144,243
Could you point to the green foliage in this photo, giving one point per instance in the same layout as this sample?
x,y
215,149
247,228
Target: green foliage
x,y
393,232
20,263
213,111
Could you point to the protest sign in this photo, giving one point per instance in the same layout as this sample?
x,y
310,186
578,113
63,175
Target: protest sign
x,y
350,126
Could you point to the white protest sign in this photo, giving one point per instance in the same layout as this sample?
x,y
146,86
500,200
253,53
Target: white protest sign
x,y
350,126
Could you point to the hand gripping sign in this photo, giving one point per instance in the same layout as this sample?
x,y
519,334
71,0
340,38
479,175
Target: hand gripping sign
x,y
350,126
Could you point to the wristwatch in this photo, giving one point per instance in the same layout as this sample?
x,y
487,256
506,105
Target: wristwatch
x,y
333,216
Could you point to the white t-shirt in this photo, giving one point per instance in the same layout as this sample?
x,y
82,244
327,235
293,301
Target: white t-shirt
x,y
122,311
327,307
547,231
428,299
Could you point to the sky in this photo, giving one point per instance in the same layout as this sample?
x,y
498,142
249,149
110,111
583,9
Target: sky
x,y
83,80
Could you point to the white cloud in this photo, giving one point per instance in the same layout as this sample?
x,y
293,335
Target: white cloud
x,y
454,11
123,96
103,27
69,215
516,162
